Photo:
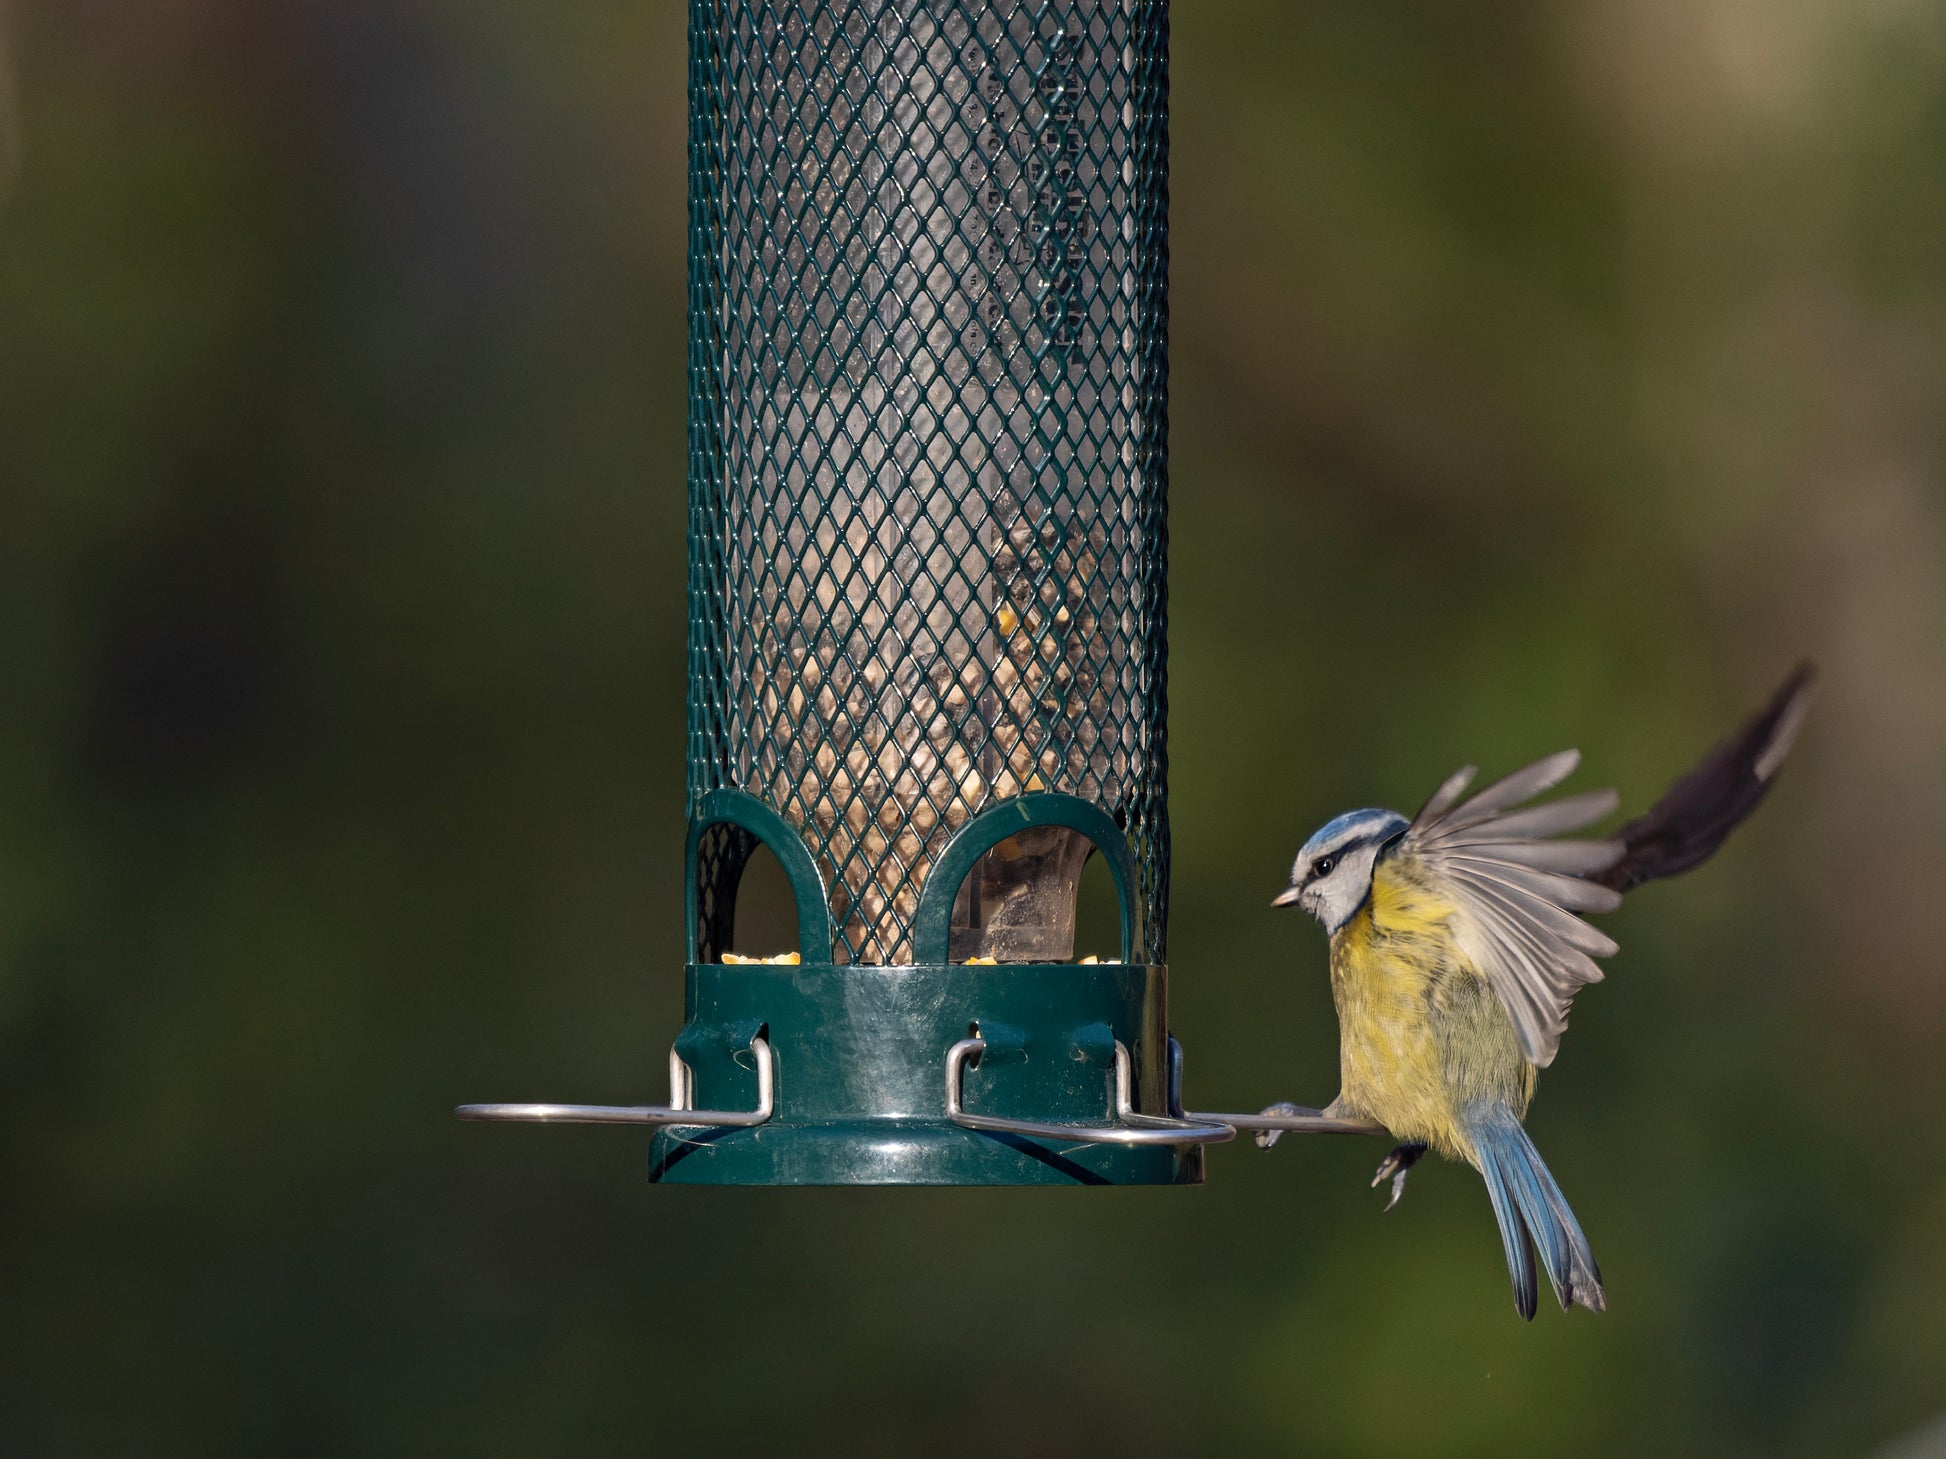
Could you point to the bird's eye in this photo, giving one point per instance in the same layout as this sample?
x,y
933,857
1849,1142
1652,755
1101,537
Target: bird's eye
x,y
1322,866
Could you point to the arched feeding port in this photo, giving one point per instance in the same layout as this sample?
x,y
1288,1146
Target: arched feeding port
x,y
927,543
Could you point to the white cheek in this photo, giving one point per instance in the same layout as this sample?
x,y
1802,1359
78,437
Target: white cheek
x,y
1337,900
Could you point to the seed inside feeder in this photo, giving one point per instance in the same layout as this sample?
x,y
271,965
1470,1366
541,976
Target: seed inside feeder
x,y
930,532
914,747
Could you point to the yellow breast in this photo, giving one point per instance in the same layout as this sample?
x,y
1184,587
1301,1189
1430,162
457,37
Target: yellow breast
x,y
1421,1035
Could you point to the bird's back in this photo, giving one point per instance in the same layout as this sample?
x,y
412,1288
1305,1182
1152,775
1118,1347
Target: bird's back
x,y
1423,1039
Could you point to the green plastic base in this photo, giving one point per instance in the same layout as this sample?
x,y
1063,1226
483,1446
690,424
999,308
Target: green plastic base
x,y
905,1152
861,1074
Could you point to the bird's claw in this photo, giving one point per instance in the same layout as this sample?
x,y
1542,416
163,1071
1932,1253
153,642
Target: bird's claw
x,y
1396,1167
1267,1138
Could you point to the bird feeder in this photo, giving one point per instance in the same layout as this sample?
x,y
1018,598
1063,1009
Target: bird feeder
x,y
927,482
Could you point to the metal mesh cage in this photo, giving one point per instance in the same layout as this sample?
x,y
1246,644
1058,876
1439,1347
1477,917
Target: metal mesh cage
x,y
927,432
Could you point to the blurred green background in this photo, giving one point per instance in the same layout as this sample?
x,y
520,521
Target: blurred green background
x,y
1542,375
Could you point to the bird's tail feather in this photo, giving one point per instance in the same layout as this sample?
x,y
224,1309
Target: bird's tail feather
x,y
1532,1214
1700,810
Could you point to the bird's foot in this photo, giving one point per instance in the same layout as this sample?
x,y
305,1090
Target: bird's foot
x,y
1397,1166
1267,1138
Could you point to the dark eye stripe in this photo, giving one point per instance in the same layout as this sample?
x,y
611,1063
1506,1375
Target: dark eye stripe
x,y
1357,843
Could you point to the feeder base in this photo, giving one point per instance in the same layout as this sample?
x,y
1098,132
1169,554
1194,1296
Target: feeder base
x,y
905,1152
861,1067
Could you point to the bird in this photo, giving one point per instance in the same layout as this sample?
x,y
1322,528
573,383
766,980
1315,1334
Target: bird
x,y
1457,946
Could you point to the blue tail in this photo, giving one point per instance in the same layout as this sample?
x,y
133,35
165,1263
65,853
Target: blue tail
x,y
1532,1213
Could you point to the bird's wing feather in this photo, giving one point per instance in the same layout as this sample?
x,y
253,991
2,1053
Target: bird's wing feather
x,y
1450,791
1522,785
1518,893
1689,822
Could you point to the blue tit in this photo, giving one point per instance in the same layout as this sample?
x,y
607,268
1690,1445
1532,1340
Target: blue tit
x,y
1456,949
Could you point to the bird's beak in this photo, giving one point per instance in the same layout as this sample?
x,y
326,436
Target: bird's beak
x,y
1288,897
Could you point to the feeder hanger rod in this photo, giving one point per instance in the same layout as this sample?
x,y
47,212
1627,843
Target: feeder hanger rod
x,y
1293,1119
1132,1129
673,1113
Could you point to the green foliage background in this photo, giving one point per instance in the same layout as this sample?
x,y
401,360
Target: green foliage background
x,y
1543,375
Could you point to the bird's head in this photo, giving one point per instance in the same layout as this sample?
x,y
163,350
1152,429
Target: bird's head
x,y
1333,873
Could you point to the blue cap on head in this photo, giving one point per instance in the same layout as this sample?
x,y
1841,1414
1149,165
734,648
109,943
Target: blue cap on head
x,y
1353,828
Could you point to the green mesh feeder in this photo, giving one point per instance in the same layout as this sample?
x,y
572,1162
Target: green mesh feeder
x,y
927,484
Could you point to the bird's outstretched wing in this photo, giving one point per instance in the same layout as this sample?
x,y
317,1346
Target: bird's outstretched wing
x,y
1518,891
